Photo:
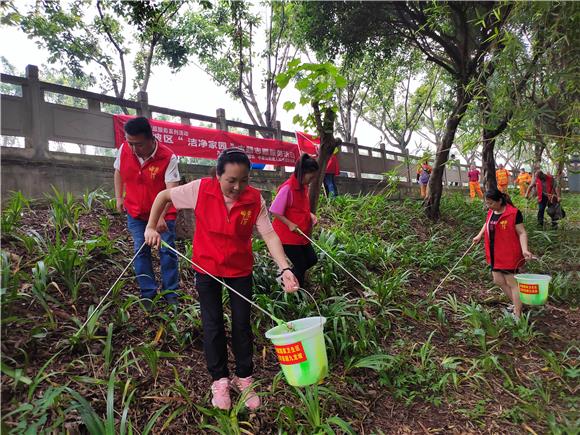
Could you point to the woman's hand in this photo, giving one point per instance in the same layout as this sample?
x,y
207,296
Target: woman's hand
x,y
120,206
152,237
314,219
477,239
292,227
528,255
290,282
161,225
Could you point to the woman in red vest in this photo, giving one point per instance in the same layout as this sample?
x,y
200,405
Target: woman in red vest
x,y
227,210
506,244
291,211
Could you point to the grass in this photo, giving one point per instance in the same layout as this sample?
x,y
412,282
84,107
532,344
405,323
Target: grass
x,y
400,357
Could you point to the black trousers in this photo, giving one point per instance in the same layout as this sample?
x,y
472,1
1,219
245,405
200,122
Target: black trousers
x,y
214,334
542,205
303,257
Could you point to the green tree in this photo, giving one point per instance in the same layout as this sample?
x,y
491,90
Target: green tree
x,y
227,41
456,36
318,85
396,102
83,34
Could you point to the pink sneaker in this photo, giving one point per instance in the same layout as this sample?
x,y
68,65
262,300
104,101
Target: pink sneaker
x,y
220,391
241,385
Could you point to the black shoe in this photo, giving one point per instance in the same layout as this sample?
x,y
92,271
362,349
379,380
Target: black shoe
x,y
173,304
147,304
172,300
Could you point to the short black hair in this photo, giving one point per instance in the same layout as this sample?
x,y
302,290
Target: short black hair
x,y
231,155
139,125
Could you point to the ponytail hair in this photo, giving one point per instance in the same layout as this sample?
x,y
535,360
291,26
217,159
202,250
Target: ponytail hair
x,y
496,195
305,165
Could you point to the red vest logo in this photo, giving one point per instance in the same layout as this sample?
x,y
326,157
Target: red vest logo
x,y
246,214
529,289
290,354
153,170
503,224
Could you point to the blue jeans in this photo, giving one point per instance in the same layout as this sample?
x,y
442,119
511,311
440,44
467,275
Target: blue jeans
x,y
330,185
143,265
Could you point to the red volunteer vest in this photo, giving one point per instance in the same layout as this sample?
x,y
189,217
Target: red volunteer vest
x,y
142,184
297,212
332,165
507,252
222,242
549,187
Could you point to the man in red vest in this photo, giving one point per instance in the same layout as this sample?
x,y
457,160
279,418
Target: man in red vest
x,y
144,168
546,191
332,171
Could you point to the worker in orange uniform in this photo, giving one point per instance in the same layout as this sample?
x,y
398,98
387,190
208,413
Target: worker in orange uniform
x,y
523,181
474,186
502,177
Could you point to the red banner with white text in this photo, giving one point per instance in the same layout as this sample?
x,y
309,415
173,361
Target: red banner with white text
x,y
207,143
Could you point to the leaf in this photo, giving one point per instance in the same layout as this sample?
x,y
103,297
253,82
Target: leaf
x,y
289,105
282,80
92,421
341,82
297,119
15,374
293,63
153,419
110,423
303,84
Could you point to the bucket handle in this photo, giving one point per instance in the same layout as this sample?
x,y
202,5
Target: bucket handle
x,y
523,261
315,303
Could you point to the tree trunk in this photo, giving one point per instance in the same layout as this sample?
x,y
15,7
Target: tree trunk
x,y
488,162
559,177
433,200
327,145
539,147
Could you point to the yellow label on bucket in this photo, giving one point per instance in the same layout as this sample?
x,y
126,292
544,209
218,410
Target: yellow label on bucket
x,y
529,289
289,354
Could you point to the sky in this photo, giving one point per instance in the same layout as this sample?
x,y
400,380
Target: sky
x,y
190,89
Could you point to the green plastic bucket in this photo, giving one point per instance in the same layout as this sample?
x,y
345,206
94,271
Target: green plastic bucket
x,y
533,288
301,351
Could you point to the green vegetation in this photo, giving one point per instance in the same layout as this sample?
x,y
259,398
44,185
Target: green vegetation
x,y
399,357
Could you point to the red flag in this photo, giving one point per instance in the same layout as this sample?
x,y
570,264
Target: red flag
x,y
308,143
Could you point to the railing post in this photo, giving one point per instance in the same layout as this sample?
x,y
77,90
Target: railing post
x,y
94,105
221,123
408,164
38,139
143,100
357,171
278,136
185,121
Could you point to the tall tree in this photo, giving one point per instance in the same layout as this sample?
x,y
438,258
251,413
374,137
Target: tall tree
x,y
456,36
228,44
533,47
398,97
82,35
